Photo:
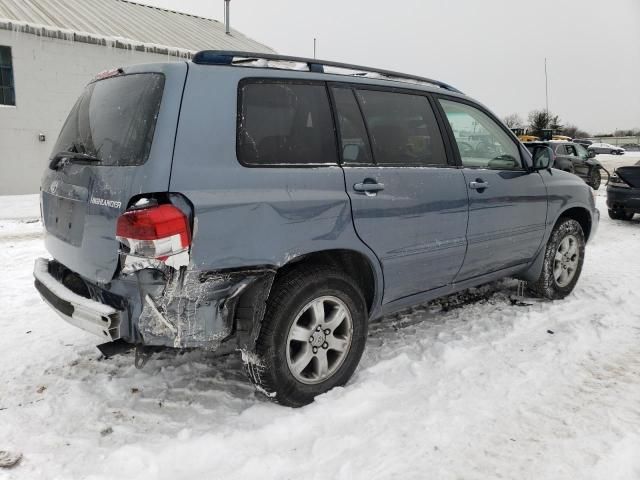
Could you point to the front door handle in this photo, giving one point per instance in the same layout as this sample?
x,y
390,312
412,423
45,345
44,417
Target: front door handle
x,y
369,187
478,184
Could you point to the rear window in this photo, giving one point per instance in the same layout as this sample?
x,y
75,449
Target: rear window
x,y
114,119
285,124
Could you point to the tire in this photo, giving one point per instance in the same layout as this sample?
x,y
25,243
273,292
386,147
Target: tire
x,y
567,240
595,178
299,299
620,215
615,214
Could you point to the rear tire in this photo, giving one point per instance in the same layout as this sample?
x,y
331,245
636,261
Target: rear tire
x,y
620,215
563,260
312,335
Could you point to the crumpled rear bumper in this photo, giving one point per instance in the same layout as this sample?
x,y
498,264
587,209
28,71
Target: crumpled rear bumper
x,y
94,317
156,306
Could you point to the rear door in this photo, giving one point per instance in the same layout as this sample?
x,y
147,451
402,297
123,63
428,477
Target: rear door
x,y
507,204
126,122
409,205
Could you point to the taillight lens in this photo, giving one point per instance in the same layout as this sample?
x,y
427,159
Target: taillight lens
x,y
156,232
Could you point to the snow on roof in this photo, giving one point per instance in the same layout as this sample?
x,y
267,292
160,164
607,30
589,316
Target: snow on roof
x,y
122,24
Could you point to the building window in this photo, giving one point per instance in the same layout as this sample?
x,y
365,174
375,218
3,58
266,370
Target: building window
x,y
7,91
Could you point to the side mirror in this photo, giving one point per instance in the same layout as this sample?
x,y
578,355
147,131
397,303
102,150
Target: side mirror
x,y
592,154
542,157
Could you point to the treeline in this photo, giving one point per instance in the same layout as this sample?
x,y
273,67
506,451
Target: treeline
x,y
539,120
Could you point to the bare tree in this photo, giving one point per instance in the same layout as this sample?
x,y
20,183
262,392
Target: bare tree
x,y
513,121
574,132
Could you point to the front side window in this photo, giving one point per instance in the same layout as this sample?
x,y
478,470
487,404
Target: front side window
x,y
582,152
402,128
7,90
482,143
283,123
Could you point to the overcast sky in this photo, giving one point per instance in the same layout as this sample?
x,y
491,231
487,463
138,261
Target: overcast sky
x,y
493,50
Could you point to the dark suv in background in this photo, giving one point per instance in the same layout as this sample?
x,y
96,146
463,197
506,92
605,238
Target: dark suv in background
x,y
574,158
278,204
623,192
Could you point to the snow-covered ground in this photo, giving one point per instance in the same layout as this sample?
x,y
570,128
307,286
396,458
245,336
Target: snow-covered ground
x,y
494,389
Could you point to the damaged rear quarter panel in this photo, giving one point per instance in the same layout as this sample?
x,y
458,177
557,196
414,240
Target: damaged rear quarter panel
x,y
184,308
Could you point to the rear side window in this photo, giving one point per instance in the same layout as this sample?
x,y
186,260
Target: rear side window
x,y
402,128
114,119
285,124
353,134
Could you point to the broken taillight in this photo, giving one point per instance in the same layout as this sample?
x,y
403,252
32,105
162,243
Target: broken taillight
x,y
155,232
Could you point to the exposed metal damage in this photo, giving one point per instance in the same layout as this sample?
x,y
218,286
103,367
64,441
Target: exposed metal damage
x,y
185,308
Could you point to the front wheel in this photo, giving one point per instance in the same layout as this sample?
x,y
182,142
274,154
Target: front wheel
x,y
312,336
595,178
563,259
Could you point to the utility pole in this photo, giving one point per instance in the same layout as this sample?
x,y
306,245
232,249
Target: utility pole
x,y
546,87
314,47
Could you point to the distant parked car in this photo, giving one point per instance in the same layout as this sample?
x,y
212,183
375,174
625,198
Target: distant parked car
x,y
573,158
606,148
623,192
631,147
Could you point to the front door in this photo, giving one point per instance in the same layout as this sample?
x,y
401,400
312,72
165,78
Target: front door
x,y
409,205
507,203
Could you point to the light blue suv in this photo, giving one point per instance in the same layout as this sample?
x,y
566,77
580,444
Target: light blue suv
x,y
277,204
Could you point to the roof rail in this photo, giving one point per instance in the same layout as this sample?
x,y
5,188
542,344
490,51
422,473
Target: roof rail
x,y
227,57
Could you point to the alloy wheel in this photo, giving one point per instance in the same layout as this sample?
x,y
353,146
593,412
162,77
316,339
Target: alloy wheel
x,y
319,340
566,260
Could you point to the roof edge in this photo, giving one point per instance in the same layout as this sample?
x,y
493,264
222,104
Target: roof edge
x,y
57,33
178,12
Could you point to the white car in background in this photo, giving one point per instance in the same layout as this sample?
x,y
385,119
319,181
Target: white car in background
x,y
606,148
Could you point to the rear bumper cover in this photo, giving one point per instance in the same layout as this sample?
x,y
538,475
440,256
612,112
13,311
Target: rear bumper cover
x,y
94,317
623,198
158,306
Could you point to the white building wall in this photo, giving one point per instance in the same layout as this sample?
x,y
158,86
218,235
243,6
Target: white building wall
x,y
49,75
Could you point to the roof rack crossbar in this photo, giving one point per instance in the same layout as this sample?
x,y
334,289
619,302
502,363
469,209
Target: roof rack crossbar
x,y
230,57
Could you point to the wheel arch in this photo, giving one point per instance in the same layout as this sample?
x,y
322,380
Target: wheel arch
x,y
365,271
577,213
354,263
580,215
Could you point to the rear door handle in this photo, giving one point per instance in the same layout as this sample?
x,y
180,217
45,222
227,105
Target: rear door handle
x,y
368,187
478,185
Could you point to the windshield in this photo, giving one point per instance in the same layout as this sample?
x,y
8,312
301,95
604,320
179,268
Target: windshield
x,y
114,119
